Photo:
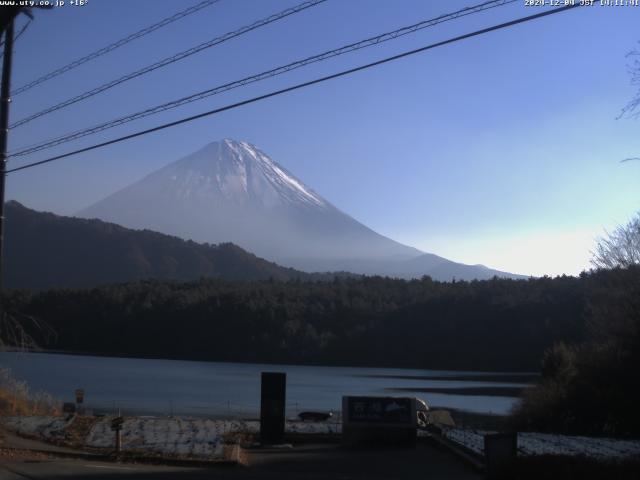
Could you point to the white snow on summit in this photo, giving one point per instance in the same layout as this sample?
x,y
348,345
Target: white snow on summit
x,y
276,174
240,173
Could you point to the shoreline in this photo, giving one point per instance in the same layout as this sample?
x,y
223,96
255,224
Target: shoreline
x,y
516,373
506,377
511,392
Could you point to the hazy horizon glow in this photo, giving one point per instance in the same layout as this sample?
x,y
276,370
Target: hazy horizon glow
x,y
502,150
534,254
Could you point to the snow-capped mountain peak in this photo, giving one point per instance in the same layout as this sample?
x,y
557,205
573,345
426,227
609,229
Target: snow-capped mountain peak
x,y
241,173
231,191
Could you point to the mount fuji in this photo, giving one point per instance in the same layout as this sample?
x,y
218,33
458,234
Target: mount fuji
x,y
230,191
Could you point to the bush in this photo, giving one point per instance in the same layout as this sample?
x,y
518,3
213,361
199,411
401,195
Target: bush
x,y
17,399
591,388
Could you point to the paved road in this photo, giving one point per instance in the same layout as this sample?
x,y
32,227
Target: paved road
x,y
76,469
304,462
8,439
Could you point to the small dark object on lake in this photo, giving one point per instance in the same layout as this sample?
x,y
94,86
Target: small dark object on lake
x,y
315,416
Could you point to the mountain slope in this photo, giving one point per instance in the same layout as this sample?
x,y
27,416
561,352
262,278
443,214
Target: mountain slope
x,y
231,191
440,268
43,250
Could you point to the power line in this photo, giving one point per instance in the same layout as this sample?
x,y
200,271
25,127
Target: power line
x,y
39,146
20,32
169,60
299,86
111,47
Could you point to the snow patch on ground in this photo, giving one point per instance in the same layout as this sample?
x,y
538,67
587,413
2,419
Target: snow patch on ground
x,y
530,444
49,428
192,437
198,437
176,436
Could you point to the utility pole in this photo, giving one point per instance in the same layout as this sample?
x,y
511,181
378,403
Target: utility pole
x,y
8,15
5,100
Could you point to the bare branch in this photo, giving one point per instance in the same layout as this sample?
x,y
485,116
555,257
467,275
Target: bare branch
x,y
15,328
621,248
631,110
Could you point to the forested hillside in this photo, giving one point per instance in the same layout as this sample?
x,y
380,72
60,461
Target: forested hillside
x,y
44,250
497,324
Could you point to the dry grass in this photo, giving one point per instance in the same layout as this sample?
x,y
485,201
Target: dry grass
x,y
17,399
14,455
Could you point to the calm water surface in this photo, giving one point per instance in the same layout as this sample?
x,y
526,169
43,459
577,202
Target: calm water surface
x,y
150,386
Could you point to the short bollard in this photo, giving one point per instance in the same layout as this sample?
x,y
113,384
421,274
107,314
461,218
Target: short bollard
x,y
500,452
116,426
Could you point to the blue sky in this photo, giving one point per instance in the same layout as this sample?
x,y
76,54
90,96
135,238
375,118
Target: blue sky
x,y
503,149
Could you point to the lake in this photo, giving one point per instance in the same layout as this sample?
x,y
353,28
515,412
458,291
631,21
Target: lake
x,y
154,386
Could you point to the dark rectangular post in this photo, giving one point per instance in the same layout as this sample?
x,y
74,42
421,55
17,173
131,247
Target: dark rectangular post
x,y
272,407
116,426
500,452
